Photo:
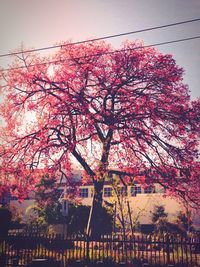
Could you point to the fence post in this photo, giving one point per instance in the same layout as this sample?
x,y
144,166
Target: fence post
x,y
87,248
3,259
15,262
168,248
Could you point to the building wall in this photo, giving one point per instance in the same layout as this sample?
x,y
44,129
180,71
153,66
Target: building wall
x,y
142,204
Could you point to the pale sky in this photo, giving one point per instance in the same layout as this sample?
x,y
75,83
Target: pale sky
x,y
41,23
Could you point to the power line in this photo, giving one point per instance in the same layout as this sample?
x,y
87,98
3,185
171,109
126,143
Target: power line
x,y
107,53
102,38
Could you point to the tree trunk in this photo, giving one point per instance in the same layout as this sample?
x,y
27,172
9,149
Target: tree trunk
x,y
94,227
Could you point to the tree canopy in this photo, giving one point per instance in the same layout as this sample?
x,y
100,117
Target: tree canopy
x,y
124,112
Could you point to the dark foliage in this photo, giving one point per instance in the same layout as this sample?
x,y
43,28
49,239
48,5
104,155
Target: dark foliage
x,y
77,220
5,219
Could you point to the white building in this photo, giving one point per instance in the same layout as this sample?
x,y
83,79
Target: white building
x,y
142,201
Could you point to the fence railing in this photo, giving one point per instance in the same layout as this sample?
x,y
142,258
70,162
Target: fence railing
x,y
23,248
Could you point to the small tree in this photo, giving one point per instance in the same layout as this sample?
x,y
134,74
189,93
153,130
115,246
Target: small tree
x,y
47,209
159,213
162,225
185,221
159,218
124,219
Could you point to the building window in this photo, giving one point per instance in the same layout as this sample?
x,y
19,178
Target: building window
x,y
107,191
122,191
84,192
135,190
149,190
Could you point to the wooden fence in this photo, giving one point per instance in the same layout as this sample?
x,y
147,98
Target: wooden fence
x,y
21,249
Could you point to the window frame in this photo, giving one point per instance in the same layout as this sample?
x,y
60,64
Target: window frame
x,y
149,190
84,192
107,191
122,191
137,190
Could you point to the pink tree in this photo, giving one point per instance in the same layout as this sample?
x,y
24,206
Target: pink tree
x,y
125,112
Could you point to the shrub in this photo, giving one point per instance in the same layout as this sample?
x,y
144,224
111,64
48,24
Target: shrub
x,y
5,219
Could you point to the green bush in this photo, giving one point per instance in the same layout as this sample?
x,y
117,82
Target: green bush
x,y
5,219
77,220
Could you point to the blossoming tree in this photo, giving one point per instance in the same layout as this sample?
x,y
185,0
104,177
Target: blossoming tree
x,y
124,112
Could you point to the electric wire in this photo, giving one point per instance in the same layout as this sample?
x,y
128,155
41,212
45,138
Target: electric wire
x,y
104,53
102,38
